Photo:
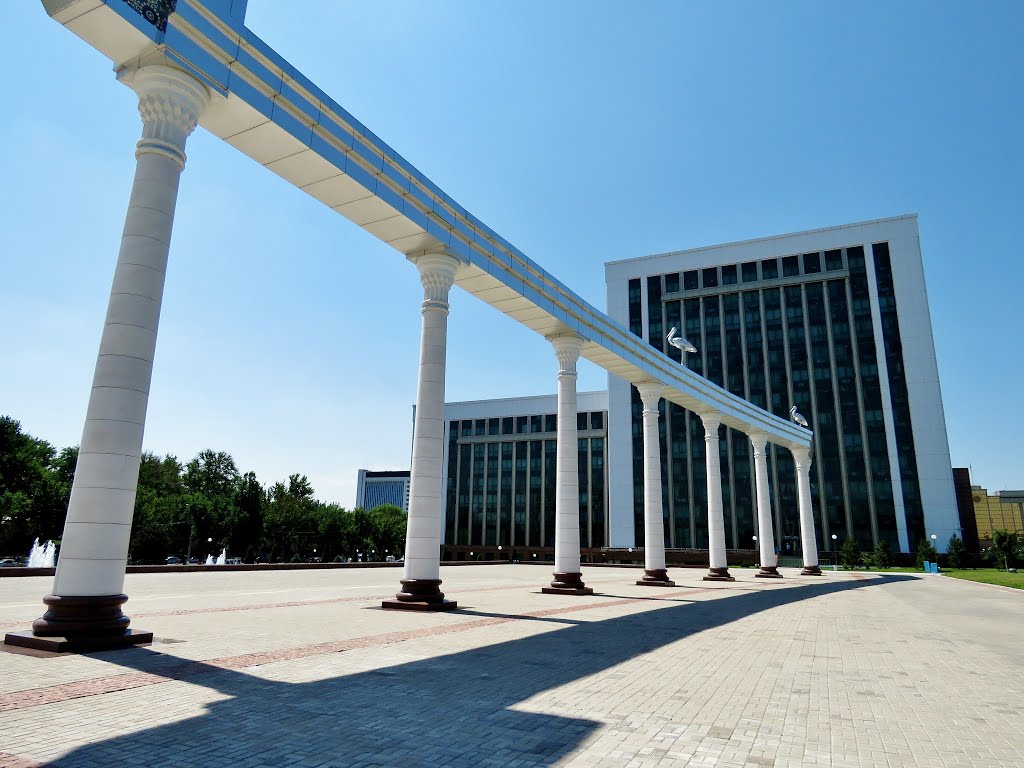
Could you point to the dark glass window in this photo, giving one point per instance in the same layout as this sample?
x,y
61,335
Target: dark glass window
x,y
709,277
507,425
729,274
690,282
749,272
769,269
536,424
812,263
834,259
635,319
654,324
453,429
790,266
523,424
597,420
581,420
493,426
551,422
467,427
672,282
481,427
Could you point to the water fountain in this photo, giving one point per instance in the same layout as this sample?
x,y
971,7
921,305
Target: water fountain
x,y
42,556
222,559
209,560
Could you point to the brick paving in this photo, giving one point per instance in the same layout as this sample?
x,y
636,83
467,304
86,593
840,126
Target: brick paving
x,y
844,670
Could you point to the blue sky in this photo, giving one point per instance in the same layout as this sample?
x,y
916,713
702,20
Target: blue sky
x,y
583,131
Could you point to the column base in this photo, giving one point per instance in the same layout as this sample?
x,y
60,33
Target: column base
x,y
811,570
718,574
655,578
80,623
420,595
768,572
78,644
567,584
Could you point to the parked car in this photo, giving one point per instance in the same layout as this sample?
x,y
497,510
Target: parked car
x,y
9,563
194,560
234,561
172,560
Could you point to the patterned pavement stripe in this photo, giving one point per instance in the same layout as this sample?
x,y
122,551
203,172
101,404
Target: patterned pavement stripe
x,y
4,625
34,697
7,760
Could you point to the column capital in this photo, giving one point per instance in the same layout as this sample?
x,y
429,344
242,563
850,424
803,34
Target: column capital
x,y
568,347
650,393
712,421
437,275
801,456
758,441
170,103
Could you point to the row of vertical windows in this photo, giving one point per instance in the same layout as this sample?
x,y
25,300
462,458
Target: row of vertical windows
x,y
747,272
522,425
898,394
503,492
810,345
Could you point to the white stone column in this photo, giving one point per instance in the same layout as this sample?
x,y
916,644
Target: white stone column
x,y
808,541
87,588
765,532
718,566
568,578
422,575
655,571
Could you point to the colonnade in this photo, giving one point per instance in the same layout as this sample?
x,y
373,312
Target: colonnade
x,y
87,594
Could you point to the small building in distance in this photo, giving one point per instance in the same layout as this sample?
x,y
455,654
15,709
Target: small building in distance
x,y
375,488
1002,510
499,471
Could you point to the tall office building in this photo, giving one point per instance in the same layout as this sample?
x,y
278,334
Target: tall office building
x,y
499,471
375,488
834,321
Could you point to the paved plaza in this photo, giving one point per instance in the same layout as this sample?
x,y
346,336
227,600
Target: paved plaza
x,y
303,668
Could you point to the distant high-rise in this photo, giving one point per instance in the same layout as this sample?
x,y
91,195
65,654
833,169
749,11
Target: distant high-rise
x,y
374,489
834,321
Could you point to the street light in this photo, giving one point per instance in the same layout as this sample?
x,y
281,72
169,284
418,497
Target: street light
x,y
835,560
755,545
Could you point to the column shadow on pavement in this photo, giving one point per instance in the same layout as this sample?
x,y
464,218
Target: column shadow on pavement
x,y
452,710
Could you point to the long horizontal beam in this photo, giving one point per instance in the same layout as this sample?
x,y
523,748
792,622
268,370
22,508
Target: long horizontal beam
x,y
269,111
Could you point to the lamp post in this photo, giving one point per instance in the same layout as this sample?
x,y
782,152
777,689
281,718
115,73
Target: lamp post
x,y
499,551
835,560
754,537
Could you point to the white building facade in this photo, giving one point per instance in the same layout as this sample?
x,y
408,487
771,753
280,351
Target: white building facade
x,y
500,471
834,321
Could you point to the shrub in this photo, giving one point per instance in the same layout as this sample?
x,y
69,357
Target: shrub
x,y
849,553
882,555
925,551
957,552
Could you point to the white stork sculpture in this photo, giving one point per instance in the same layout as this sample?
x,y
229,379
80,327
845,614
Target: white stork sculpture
x,y
679,342
797,417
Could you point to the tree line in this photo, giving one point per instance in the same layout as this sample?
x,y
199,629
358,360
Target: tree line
x,y
191,510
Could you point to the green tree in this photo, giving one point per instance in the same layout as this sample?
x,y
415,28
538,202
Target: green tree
x,y
849,553
881,557
925,551
1005,545
956,551
35,484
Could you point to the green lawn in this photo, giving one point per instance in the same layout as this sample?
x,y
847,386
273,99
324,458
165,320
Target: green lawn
x,y
989,576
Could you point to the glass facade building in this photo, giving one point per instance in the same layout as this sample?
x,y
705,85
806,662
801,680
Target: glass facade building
x,y
820,320
500,471
375,488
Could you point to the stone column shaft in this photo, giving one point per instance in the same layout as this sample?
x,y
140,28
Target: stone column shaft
x,y
567,577
766,534
87,588
422,574
718,563
808,541
655,571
